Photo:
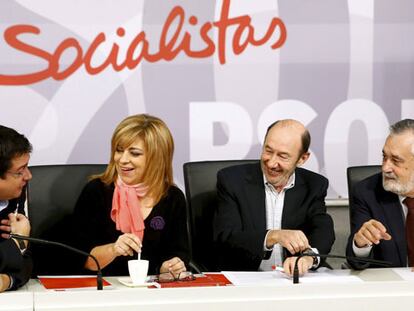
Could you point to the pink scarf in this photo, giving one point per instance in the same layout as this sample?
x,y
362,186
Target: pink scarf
x,y
126,208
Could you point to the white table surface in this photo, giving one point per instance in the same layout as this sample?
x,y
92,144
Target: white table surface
x,y
20,300
382,289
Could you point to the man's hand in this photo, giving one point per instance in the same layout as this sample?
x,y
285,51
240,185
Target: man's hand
x,y
304,264
371,232
5,226
4,282
16,223
294,241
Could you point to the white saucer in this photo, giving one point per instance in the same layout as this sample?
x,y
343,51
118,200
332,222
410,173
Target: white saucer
x,y
128,282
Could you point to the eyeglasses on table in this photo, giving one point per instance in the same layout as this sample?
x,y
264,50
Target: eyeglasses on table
x,y
166,277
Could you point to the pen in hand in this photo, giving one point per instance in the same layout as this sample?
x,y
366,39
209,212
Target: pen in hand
x,y
277,268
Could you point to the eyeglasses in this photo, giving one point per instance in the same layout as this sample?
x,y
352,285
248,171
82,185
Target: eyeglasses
x,y
170,277
20,173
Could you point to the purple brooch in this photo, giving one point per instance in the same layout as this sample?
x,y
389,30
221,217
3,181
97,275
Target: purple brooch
x,y
157,223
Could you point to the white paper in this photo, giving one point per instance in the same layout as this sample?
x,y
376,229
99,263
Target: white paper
x,y
279,278
405,273
257,278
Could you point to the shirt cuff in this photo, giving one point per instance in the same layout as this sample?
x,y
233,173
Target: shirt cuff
x,y
11,282
361,251
264,243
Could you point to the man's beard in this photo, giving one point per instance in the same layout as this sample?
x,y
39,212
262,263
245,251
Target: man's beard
x,y
395,186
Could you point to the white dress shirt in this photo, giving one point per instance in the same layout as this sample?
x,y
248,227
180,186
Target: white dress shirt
x,y
274,209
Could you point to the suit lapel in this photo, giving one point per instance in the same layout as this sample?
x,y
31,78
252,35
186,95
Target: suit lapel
x,y
293,198
255,194
391,207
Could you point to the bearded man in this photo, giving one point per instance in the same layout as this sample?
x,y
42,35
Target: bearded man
x,y
382,215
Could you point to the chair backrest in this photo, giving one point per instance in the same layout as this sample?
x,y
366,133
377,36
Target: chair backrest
x,y
357,173
52,195
200,180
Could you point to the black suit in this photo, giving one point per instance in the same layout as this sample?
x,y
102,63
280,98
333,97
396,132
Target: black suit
x,y
240,218
371,201
12,262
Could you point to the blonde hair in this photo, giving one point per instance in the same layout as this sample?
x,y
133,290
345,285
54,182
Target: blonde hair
x,y
159,149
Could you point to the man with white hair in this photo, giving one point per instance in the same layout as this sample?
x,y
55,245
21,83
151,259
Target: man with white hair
x,y
382,215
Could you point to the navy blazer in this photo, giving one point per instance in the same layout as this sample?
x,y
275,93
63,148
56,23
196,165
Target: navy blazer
x,y
371,201
240,218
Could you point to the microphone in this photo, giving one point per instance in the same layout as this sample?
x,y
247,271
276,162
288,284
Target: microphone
x,y
313,254
99,283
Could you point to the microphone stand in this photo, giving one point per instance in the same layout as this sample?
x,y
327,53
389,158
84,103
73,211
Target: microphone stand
x,y
99,283
313,254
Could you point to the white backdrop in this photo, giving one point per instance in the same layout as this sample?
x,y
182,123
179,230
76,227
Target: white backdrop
x,y
70,70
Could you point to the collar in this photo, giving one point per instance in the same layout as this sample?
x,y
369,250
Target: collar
x,y
289,184
402,198
3,204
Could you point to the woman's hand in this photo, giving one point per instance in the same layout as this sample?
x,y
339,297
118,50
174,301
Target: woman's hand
x,y
126,244
174,265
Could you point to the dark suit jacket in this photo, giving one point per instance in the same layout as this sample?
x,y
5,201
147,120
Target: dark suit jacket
x,y
240,218
12,262
371,201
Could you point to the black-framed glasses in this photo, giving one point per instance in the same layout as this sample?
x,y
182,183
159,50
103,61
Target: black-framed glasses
x,y
170,277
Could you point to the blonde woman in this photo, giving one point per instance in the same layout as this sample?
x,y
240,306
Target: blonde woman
x,y
134,205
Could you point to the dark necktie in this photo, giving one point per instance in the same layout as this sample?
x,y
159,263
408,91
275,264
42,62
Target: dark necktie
x,y
409,230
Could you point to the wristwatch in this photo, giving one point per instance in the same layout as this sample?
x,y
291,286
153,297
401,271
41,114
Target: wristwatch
x,y
315,262
315,258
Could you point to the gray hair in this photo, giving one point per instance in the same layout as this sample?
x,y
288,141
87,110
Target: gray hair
x,y
402,126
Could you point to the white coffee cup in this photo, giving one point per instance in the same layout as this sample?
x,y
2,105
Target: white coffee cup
x,y
138,270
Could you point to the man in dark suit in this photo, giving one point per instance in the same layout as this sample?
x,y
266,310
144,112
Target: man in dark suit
x,y
15,261
382,215
272,210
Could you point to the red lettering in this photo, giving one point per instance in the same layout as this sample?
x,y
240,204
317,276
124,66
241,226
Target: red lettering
x,y
283,33
111,59
113,56
186,43
167,50
10,35
68,43
139,40
238,47
222,25
210,49
174,39
100,38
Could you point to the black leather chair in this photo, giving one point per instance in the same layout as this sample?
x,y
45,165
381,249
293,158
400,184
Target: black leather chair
x,y
357,173
354,175
52,194
200,187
